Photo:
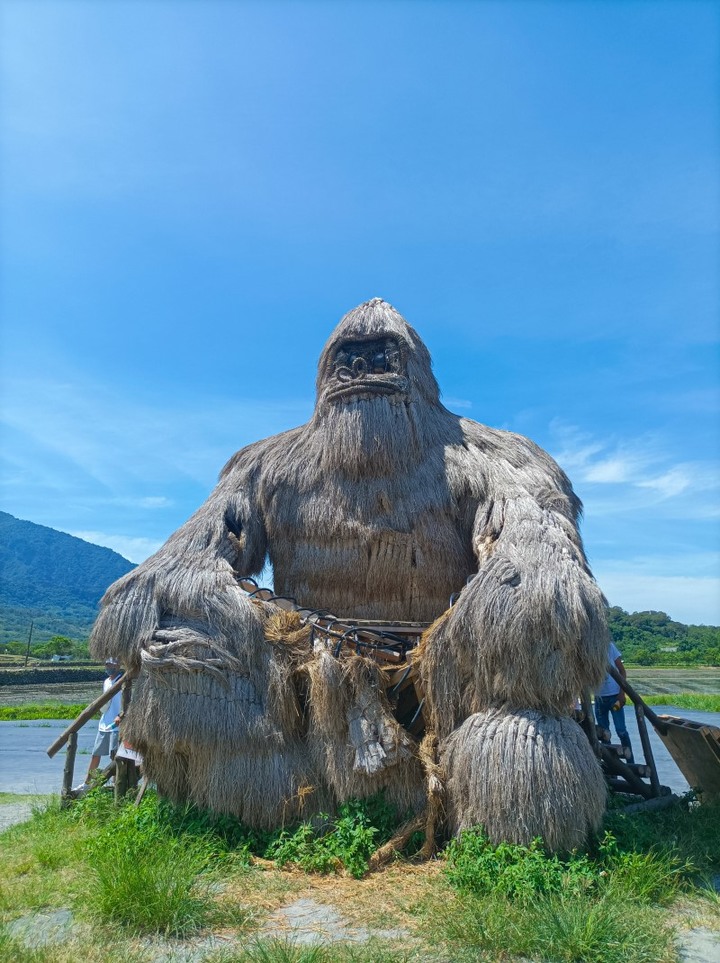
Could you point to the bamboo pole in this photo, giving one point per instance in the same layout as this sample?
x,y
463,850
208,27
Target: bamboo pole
x,y
88,713
141,790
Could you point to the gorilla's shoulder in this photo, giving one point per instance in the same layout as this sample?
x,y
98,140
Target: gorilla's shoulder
x,y
252,457
517,450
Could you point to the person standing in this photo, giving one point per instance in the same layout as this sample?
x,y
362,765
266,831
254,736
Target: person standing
x,y
610,700
106,741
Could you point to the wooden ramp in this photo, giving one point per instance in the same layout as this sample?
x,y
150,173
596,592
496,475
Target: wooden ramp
x,y
695,747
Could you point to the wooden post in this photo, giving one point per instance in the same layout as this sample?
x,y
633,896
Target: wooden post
x,y
620,769
69,770
133,774
647,748
105,773
589,720
121,778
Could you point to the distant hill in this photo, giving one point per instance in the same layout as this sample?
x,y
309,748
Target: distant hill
x,y
52,579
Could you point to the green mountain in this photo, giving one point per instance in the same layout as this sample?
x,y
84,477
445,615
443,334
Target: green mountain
x,y
52,579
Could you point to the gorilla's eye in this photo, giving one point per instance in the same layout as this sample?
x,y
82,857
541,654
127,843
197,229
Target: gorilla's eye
x,y
379,363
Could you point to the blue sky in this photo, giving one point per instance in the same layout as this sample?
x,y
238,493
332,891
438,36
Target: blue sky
x,y
193,193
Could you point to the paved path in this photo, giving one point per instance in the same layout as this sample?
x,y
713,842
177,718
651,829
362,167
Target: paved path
x,y
12,813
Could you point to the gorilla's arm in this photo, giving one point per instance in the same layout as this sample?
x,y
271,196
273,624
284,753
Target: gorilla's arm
x,y
529,630
189,585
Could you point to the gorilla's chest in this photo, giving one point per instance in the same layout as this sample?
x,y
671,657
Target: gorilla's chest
x,y
377,548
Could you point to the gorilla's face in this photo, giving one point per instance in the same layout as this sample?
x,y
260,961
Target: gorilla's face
x,y
377,405
371,366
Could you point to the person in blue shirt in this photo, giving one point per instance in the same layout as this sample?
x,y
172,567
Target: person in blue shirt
x,y
610,700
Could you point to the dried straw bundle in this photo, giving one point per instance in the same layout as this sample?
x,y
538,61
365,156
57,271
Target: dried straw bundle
x,y
354,738
523,774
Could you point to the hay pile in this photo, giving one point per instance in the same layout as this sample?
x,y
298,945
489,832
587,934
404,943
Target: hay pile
x,y
383,506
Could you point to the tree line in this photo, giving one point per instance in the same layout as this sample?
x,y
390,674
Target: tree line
x,y
653,638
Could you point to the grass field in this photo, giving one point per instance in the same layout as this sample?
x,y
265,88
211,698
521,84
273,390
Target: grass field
x,y
145,883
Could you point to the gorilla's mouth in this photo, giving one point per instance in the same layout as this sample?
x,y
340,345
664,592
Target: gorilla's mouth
x,y
367,367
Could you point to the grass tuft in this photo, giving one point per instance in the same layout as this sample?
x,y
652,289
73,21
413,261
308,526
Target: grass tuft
x,y
703,701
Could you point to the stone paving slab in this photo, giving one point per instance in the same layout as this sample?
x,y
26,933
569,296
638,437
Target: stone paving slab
x,y
42,929
699,945
306,922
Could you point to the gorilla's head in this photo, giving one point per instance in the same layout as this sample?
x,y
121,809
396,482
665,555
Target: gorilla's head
x,y
378,402
374,352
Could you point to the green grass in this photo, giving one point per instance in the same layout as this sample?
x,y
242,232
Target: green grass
x,y
282,951
706,702
158,871
599,906
602,929
34,710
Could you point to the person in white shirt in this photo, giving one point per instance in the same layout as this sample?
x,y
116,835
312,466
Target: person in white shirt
x,y
610,700
106,741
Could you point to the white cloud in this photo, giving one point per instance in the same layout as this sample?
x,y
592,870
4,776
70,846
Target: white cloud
x,y
117,443
612,470
669,484
130,547
641,464
154,501
453,403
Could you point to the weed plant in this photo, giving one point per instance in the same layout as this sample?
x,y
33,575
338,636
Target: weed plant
x,y
600,906
346,843
524,873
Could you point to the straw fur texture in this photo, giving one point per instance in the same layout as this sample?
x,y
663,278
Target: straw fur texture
x,y
523,774
382,506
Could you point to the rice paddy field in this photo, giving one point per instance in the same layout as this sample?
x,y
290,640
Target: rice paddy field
x,y
649,680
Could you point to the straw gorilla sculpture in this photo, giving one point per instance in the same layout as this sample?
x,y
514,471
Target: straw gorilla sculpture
x,y
382,506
